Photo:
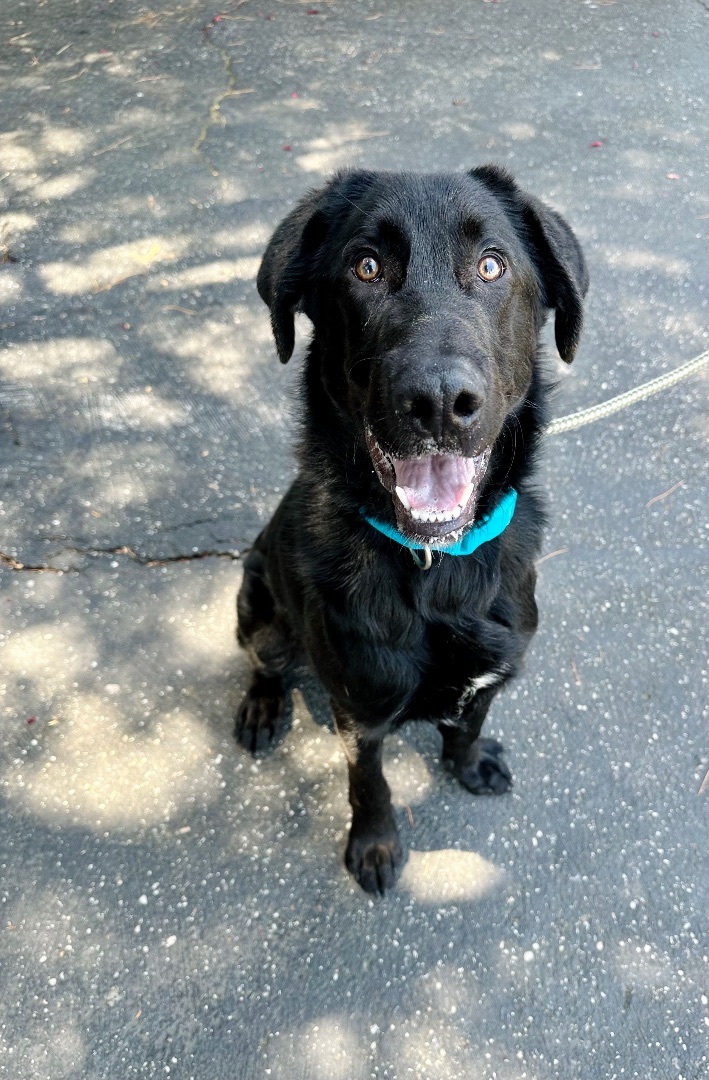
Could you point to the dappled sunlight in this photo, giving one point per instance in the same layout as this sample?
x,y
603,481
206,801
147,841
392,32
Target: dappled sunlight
x,y
520,131
75,357
98,773
52,655
645,965
10,286
639,259
145,472
63,140
218,272
39,146
61,187
332,1049
123,488
252,237
144,410
204,633
14,224
314,750
334,150
58,1053
432,1043
111,265
449,876
330,1044
408,776
172,905
222,357
687,323
653,129
16,157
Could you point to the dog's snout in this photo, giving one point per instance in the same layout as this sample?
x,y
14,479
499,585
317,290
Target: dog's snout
x,y
442,406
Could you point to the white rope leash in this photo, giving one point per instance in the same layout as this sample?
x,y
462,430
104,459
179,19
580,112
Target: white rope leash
x,y
630,397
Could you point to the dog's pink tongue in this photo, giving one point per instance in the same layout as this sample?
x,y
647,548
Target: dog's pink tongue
x,y
439,482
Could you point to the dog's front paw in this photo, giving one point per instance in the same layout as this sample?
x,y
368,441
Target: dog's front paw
x,y
484,770
374,858
259,714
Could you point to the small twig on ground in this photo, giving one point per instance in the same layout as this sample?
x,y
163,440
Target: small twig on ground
x,y
658,498
551,555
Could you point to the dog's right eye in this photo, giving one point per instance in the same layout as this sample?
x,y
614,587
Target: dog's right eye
x,y
367,268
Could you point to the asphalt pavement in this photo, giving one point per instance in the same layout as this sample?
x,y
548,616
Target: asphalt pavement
x,y
171,907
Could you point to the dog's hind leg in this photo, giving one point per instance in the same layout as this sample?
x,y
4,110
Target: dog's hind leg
x,y
477,763
264,632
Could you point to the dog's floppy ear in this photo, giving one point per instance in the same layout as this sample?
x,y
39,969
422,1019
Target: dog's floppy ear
x,y
285,267
556,253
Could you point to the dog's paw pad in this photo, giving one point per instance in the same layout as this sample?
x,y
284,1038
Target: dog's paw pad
x,y
257,719
374,861
486,772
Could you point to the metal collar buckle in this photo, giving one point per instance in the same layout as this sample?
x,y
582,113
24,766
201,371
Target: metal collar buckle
x,y
423,561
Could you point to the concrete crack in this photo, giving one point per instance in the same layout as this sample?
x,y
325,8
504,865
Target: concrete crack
x,y
143,560
215,115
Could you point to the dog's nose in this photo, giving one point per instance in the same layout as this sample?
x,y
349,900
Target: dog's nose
x,y
440,406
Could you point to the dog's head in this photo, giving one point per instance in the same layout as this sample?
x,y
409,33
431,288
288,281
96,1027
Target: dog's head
x,y
427,294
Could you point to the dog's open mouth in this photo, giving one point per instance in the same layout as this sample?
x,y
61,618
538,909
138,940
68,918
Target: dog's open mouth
x,y
433,496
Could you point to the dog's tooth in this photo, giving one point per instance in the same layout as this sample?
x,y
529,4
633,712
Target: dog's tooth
x,y
416,515
466,496
403,498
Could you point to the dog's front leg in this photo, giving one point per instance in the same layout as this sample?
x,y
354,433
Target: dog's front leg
x,y
475,761
373,852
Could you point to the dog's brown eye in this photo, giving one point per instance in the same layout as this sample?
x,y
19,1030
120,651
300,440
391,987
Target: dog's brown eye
x,y
490,268
367,268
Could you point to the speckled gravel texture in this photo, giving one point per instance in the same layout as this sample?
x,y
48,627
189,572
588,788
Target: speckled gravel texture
x,y
171,908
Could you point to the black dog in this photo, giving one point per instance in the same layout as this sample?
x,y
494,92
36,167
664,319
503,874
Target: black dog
x,y
423,408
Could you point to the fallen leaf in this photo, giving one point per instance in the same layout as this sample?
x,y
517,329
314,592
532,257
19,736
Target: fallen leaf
x,y
595,144
673,176
286,146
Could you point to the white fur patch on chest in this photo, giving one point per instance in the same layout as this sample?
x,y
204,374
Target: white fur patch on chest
x,y
480,682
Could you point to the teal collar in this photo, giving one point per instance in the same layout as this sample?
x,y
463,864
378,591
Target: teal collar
x,y
492,525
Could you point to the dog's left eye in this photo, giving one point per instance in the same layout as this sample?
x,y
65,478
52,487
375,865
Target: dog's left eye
x,y
490,268
367,268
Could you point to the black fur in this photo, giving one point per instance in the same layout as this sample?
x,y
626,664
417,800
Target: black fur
x,y
432,359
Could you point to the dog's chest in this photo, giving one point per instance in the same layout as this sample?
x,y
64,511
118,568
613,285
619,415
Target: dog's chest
x,y
458,666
